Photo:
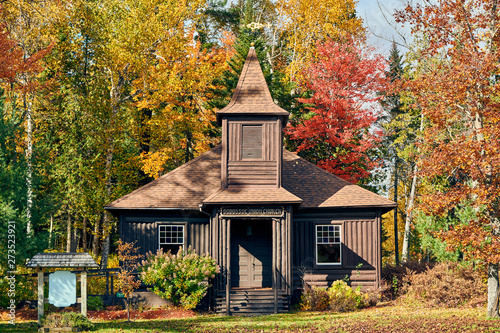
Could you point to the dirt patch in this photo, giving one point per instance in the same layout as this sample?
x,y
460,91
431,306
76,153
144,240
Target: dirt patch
x,y
161,313
21,315
168,313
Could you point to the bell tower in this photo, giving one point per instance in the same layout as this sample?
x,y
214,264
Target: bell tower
x,y
252,126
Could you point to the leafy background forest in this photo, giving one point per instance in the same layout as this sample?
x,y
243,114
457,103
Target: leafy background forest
x,y
100,97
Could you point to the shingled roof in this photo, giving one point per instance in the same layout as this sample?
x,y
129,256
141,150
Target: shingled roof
x,y
198,182
183,188
319,188
252,95
62,260
255,196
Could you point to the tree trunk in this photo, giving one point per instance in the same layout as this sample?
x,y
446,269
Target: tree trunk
x,y
106,242
128,309
74,239
105,227
68,235
189,146
409,208
493,291
84,235
51,229
95,239
29,165
396,245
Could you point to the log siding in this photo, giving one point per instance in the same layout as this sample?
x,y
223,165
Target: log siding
x,y
361,252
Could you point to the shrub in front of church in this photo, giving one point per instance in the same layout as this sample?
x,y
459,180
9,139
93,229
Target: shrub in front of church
x,y
67,319
339,298
343,298
181,278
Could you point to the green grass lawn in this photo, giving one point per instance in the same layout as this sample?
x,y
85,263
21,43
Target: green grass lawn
x,y
390,318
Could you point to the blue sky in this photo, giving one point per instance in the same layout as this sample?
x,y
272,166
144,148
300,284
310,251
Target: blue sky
x,y
374,19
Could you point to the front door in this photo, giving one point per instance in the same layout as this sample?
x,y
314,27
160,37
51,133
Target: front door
x,y
251,253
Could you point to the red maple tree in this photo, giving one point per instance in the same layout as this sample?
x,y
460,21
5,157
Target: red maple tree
x,y
10,55
338,134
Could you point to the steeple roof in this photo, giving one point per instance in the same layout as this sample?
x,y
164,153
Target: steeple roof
x,y
252,95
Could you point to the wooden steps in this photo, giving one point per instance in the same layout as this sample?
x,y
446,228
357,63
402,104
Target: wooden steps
x,y
252,302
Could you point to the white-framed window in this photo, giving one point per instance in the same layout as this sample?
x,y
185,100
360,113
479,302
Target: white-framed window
x,y
171,237
328,244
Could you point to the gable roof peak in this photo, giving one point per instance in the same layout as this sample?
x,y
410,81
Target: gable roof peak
x,y
252,95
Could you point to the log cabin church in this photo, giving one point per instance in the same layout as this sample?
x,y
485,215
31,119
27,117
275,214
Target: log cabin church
x,y
270,218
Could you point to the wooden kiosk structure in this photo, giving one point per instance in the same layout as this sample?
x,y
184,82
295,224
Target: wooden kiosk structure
x,y
272,220
80,261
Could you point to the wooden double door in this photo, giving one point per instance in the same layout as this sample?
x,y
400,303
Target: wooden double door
x,y
251,253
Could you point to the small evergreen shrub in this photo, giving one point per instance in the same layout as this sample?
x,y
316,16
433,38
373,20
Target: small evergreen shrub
x,y
67,319
447,285
180,278
339,297
94,303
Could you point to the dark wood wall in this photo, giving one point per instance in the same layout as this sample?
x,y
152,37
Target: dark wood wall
x,y
361,249
264,171
293,237
144,230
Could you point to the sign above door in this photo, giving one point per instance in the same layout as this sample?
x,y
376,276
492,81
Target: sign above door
x,y
242,211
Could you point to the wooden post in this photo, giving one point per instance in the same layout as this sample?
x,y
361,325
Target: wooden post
x,y
83,280
228,265
40,295
107,283
274,262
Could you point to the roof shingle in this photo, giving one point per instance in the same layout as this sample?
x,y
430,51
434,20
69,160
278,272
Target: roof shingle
x,y
198,182
252,195
252,95
62,260
183,188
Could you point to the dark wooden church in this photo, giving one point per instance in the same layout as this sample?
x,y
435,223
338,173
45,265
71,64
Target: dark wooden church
x,y
270,218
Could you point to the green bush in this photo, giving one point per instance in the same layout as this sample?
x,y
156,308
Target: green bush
x,y
339,297
180,278
25,287
343,298
94,303
315,298
67,319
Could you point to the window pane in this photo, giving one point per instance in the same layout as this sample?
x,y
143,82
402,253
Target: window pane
x,y
172,248
328,253
327,234
171,234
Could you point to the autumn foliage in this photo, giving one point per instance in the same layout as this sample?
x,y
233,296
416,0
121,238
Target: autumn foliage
x,y
337,132
458,94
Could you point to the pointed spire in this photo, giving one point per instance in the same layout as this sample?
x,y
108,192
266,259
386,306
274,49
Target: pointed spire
x,y
252,94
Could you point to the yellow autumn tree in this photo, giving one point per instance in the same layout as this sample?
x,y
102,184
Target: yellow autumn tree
x,y
180,86
306,22
127,35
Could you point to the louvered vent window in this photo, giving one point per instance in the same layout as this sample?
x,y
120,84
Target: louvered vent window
x,y
251,148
